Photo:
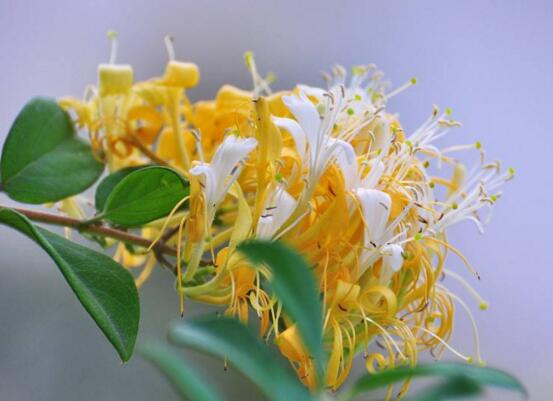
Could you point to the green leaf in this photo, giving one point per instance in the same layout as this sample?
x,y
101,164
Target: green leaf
x,y
482,375
454,387
105,289
108,183
144,195
293,283
228,338
43,160
188,384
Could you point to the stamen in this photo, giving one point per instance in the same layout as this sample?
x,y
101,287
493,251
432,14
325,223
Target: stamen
x,y
166,223
482,304
472,321
403,87
112,35
467,359
169,45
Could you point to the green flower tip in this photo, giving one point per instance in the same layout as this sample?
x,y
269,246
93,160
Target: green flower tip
x,y
358,70
248,58
413,80
112,34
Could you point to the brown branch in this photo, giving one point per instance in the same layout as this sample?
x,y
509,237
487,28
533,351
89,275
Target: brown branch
x,y
98,229
137,142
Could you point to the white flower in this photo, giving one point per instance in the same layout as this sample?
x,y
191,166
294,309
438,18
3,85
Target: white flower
x,y
375,206
217,177
278,208
313,132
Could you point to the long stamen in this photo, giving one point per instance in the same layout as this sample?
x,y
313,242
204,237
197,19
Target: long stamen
x,y
170,46
482,304
445,344
475,334
166,223
179,270
112,35
403,87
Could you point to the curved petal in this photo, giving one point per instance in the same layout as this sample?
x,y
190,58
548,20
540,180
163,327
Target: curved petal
x,y
346,161
307,116
393,258
375,206
296,132
277,210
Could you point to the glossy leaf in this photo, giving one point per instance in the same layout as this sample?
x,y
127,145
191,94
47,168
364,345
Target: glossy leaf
x,y
293,283
482,375
229,339
188,384
108,183
43,160
105,289
143,196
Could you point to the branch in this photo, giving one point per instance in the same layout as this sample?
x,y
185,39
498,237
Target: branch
x,y
98,229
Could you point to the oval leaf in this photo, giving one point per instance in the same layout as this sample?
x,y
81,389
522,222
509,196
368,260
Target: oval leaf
x,y
482,375
108,184
143,196
293,283
42,159
228,338
105,289
189,384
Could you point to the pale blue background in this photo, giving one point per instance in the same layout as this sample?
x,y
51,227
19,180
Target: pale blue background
x,y
491,61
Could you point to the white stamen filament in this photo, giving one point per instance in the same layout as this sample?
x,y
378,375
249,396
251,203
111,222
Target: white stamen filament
x,y
170,46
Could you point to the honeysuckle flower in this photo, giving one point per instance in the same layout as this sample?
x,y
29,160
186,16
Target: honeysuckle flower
x,y
313,132
218,175
330,172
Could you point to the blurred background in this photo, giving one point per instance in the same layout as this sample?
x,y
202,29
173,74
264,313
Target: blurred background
x,y
490,61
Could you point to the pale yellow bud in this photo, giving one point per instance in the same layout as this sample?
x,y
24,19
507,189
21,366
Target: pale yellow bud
x,y
114,79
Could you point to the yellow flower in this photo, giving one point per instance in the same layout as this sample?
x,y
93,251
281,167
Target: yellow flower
x,y
328,171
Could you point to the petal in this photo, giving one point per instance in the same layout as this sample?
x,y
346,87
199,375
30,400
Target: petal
x,y
393,258
307,116
375,206
296,132
231,152
346,161
313,91
277,210
373,177
208,178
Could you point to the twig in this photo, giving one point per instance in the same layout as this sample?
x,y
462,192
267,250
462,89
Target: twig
x,y
99,229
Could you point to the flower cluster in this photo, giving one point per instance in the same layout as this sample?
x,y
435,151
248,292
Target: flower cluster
x,y
329,172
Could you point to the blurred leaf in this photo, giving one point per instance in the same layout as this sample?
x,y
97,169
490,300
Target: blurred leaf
x,y
105,289
42,159
229,339
453,387
144,195
189,384
108,183
481,375
293,283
